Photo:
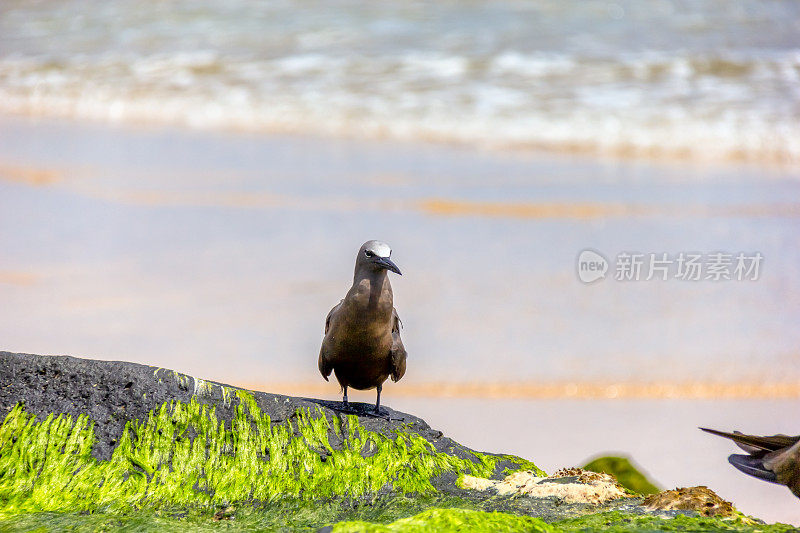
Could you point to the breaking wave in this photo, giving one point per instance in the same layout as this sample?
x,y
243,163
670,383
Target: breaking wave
x,y
704,104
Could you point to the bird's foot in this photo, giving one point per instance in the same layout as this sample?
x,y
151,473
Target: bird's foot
x,y
381,413
361,410
347,408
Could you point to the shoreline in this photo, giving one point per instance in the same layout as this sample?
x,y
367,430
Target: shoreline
x,y
562,390
539,152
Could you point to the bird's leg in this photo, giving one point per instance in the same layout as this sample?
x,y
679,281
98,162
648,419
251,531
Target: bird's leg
x,y
378,402
344,400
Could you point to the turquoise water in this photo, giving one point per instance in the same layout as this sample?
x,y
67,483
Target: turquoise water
x,y
707,80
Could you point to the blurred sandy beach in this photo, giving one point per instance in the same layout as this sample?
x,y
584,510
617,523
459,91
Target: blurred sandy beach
x,y
186,184
181,247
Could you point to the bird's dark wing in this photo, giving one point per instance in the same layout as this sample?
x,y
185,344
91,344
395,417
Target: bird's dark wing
x,y
330,315
324,365
747,442
774,458
753,466
752,450
398,350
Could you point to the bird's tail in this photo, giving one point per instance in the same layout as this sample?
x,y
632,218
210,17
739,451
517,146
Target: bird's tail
x,y
752,466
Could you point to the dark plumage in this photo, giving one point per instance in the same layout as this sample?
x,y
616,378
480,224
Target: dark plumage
x,y
362,345
773,458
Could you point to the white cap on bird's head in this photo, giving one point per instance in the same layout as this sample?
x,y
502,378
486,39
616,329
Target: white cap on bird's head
x,y
375,256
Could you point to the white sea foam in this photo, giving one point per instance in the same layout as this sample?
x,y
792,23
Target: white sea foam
x,y
381,74
435,65
535,65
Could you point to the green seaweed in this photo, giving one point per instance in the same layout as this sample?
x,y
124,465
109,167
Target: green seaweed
x,y
183,456
617,521
297,515
183,468
437,519
450,520
626,473
522,464
287,514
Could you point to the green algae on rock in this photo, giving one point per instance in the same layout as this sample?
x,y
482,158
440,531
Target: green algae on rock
x,y
302,516
285,514
447,520
626,473
183,455
102,445
450,520
618,522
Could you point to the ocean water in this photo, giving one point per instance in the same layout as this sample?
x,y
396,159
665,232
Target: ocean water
x,y
707,79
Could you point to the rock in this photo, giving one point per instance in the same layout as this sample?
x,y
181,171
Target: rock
x,y
99,445
702,500
571,485
114,393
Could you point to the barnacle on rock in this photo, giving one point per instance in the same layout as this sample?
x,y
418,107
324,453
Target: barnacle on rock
x,y
699,499
569,485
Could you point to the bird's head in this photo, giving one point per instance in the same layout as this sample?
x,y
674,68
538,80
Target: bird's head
x,y
374,255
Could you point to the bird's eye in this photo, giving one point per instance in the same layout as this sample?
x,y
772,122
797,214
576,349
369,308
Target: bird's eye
x,y
369,253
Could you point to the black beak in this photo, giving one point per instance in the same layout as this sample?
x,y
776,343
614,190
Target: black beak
x,y
387,263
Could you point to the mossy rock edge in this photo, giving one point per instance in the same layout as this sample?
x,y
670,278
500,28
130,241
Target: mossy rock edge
x,y
97,445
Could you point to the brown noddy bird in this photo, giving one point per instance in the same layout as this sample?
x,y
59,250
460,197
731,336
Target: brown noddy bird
x,y
362,345
774,458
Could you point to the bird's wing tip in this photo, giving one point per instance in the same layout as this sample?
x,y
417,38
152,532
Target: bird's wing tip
x,y
752,466
717,432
